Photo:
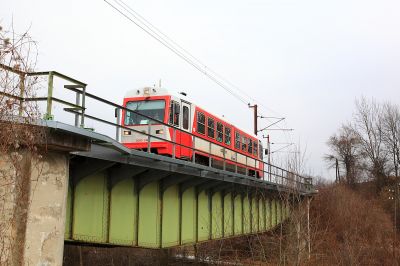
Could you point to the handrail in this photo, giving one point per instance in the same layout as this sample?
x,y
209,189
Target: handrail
x,y
185,146
281,176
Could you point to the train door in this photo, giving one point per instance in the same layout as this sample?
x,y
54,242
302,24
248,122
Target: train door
x,y
175,122
185,138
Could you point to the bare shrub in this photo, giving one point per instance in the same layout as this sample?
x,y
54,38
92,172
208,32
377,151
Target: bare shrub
x,y
17,140
356,230
347,227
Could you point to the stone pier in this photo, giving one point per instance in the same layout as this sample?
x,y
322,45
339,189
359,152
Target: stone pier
x,y
46,213
33,198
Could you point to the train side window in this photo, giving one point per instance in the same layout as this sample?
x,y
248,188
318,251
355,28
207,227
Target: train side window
x,y
227,135
210,127
237,140
261,151
220,132
185,118
255,148
250,147
201,123
244,143
174,110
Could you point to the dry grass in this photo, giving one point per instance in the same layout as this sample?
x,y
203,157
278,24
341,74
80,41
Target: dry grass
x,y
350,229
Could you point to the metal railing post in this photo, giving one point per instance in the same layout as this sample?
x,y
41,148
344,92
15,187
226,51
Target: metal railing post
x,y
194,148
236,167
148,136
270,170
83,106
247,169
255,168
48,115
209,154
224,162
118,130
174,142
264,172
77,102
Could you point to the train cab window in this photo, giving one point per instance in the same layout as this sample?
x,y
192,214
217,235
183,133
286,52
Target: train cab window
x,y
237,140
185,117
244,143
255,148
201,123
174,110
220,132
250,146
210,127
227,136
145,112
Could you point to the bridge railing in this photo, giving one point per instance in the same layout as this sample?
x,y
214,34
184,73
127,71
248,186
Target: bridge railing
x,y
80,110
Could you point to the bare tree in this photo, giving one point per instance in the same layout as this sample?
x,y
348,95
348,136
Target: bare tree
x,y
345,149
368,126
391,133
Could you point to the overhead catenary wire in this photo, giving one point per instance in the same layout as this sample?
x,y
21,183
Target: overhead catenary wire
x,y
164,39
133,16
206,68
150,26
165,43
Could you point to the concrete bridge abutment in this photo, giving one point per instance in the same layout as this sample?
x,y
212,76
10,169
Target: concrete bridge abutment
x,y
33,200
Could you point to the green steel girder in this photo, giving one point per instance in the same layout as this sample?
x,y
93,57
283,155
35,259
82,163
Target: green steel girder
x,y
162,214
207,186
150,176
174,180
193,182
120,172
238,190
226,187
88,167
253,191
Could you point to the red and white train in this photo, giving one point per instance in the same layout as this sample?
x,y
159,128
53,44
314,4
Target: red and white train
x,y
210,138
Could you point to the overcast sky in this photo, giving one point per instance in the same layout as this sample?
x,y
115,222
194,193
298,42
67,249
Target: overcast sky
x,y
304,60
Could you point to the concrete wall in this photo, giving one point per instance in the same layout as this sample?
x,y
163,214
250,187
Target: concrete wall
x,y
8,189
34,191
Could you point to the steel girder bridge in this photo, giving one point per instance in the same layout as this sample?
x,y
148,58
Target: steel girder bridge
x,y
120,196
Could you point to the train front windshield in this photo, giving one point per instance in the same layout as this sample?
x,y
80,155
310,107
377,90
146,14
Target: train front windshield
x,y
154,109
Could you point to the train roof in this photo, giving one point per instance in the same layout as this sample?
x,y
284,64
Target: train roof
x,y
159,91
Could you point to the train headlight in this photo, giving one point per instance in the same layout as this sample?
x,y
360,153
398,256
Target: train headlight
x,y
159,131
127,133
